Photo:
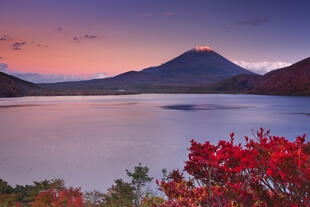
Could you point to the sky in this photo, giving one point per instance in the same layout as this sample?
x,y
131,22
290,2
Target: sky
x,y
60,40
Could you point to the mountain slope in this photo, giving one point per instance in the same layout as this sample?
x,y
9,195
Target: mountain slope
x,y
11,86
291,80
237,84
199,65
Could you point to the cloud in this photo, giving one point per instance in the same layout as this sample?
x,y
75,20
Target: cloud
x,y
90,36
262,67
46,78
78,39
50,78
3,67
253,22
3,37
98,75
18,45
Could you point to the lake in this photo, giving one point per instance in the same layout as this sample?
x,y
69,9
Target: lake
x,y
90,140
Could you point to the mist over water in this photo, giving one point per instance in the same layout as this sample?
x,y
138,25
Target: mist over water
x,y
90,140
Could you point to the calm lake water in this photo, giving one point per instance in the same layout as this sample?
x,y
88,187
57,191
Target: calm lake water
x,y
90,140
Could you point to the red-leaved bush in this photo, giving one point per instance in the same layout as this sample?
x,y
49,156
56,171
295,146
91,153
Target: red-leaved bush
x,y
267,171
59,198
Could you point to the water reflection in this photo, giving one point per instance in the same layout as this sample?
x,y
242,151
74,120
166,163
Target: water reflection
x,y
191,107
91,140
18,105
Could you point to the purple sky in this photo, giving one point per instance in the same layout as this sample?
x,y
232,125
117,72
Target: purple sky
x,y
78,39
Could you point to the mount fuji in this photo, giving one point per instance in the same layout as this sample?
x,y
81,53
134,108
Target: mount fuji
x,y
192,71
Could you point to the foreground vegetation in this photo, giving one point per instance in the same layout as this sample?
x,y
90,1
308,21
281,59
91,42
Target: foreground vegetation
x,y
266,171
54,193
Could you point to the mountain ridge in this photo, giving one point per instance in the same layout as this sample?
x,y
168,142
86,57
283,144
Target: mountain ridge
x,y
291,80
199,70
193,69
12,86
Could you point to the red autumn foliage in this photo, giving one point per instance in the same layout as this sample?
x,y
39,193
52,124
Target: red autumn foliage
x,y
268,171
9,200
71,197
